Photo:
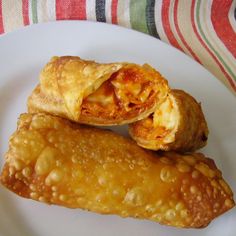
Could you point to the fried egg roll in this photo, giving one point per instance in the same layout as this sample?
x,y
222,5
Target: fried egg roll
x,y
178,124
97,94
54,161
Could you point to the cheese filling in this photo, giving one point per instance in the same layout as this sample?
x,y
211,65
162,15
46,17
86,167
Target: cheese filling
x,y
129,87
166,121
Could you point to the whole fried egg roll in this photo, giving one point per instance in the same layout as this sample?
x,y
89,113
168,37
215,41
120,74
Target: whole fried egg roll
x,y
97,94
178,124
54,161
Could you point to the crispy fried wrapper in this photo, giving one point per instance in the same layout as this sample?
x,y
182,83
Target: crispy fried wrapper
x,y
97,94
54,161
178,124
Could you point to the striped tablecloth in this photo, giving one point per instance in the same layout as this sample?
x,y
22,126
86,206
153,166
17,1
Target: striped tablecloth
x,y
203,29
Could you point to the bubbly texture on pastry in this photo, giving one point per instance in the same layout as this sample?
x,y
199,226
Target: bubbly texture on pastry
x,y
98,94
55,161
177,124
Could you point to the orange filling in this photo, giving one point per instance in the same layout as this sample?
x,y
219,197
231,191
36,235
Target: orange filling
x,y
160,126
129,91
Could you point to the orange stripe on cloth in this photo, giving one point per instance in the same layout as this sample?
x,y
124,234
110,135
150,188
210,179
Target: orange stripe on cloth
x,y
229,79
180,34
25,11
114,5
166,24
71,9
221,24
1,19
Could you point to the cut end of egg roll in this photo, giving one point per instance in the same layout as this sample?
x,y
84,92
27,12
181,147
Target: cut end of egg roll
x,y
177,124
98,94
54,161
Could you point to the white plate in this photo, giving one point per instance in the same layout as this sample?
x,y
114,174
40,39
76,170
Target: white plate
x,y
22,55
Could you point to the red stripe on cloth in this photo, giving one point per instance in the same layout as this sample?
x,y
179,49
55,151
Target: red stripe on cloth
x,y
25,11
71,9
208,50
220,21
114,5
1,19
180,34
166,24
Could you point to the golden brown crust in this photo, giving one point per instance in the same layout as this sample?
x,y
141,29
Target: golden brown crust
x,y
58,162
98,94
187,130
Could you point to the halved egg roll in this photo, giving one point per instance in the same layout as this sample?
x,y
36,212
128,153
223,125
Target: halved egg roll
x,y
54,161
97,94
178,124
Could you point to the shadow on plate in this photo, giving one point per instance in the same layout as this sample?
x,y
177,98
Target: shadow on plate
x,y
12,223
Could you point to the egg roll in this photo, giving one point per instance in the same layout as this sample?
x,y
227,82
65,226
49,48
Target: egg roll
x,y
97,94
178,124
54,161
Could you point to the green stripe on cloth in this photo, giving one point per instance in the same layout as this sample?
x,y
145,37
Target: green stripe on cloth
x,y
150,18
34,11
138,15
208,42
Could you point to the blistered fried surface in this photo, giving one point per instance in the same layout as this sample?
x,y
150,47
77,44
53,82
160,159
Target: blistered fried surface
x,y
54,161
178,124
98,94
